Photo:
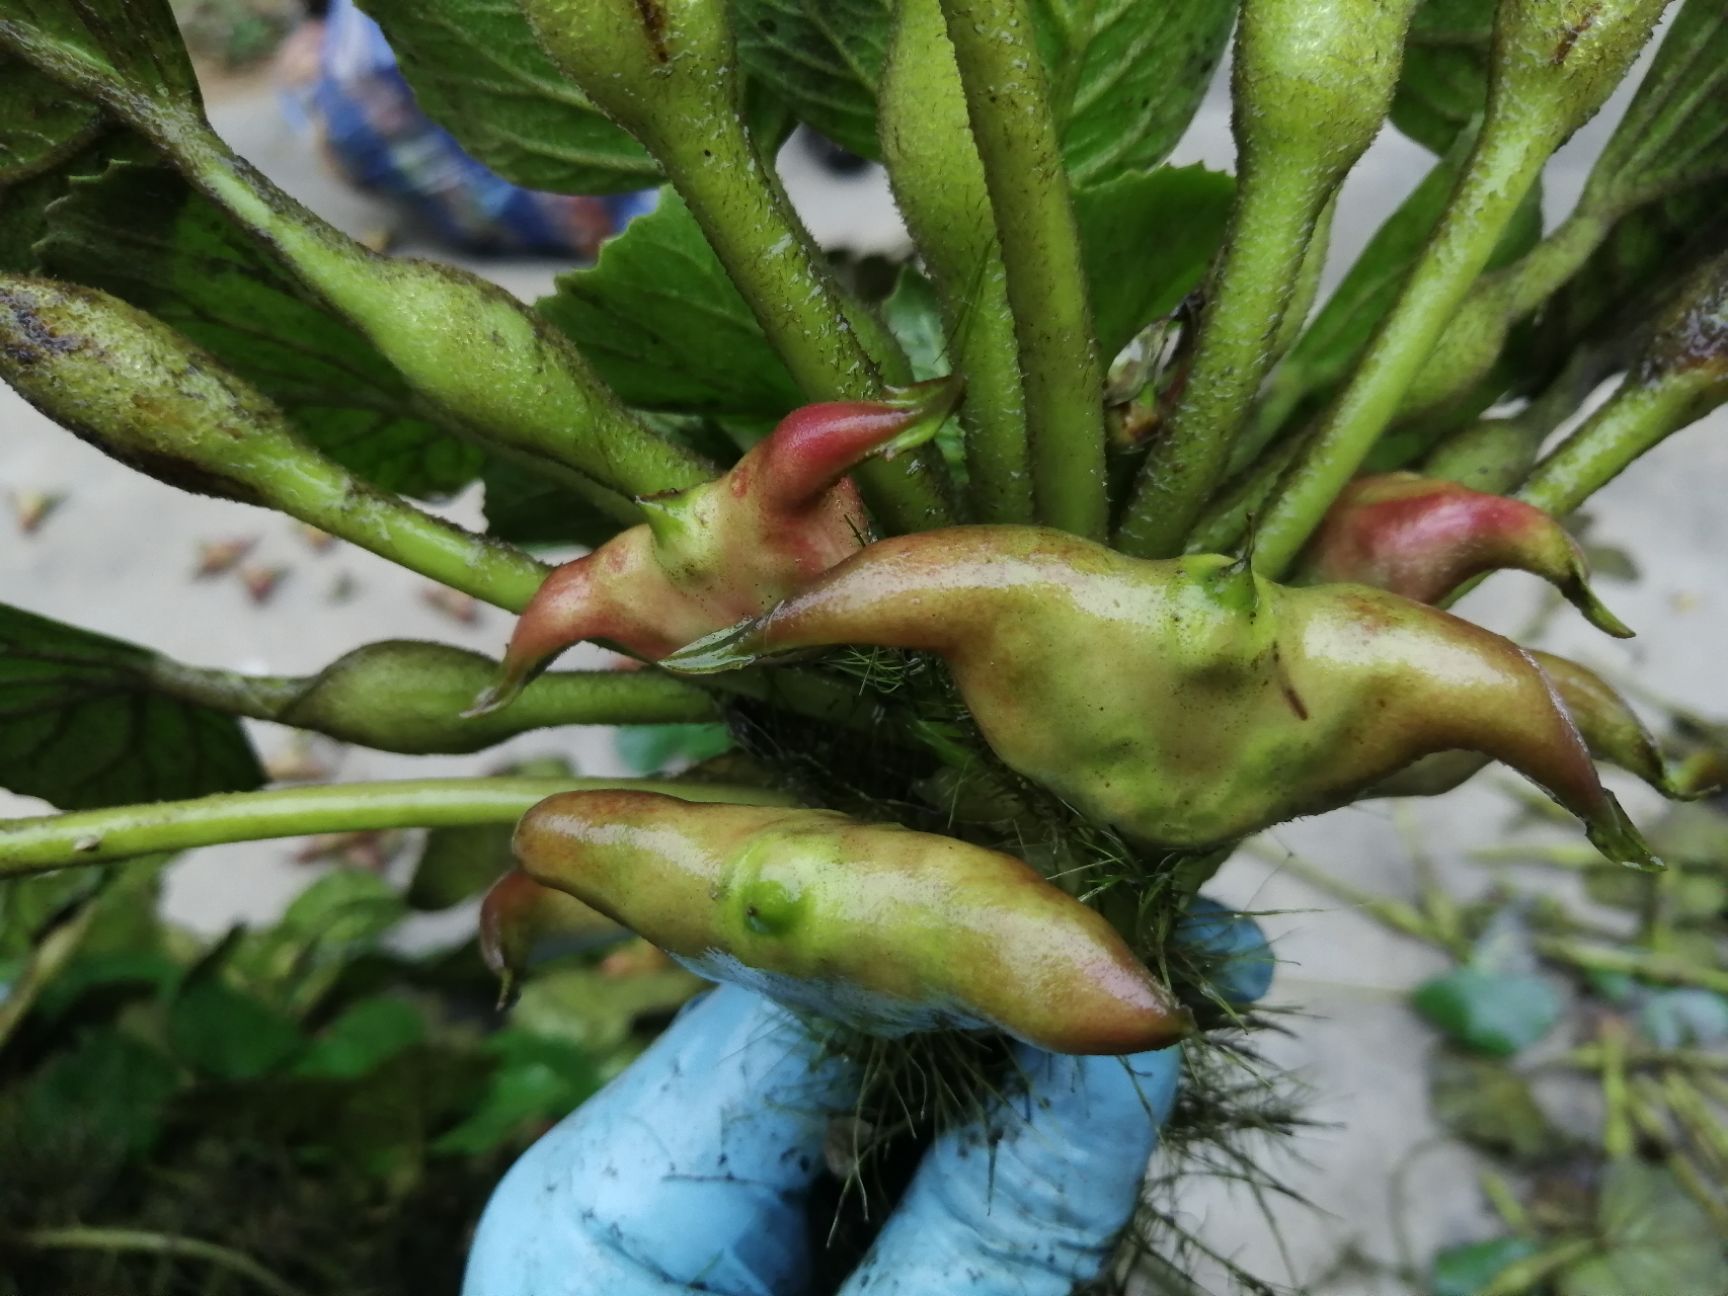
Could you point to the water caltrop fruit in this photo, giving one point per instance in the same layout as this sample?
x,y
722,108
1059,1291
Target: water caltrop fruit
x,y
729,548
1188,701
874,926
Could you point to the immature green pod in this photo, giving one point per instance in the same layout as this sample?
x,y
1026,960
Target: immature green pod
x,y
1189,701
1610,729
730,548
1424,538
871,925
144,394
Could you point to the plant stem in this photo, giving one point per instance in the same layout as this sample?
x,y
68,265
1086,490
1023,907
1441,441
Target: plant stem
x,y
143,1242
48,955
942,194
481,360
1266,247
319,492
1007,101
40,845
1636,419
1505,163
1663,968
834,347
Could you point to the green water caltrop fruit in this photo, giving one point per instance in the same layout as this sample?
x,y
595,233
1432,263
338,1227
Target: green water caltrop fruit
x,y
729,548
880,928
1188,701
1610,729
1423,538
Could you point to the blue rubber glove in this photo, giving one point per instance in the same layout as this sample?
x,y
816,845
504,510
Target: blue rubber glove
x,y
690,1171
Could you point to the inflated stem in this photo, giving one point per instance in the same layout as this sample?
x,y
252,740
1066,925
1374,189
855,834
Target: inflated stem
x,y
1553,63
1311,83
48,842
483,361
407,696
939,186
665,71
1682,376
1007,102
141,392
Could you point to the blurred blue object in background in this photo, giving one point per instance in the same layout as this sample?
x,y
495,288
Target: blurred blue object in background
x,y
363,110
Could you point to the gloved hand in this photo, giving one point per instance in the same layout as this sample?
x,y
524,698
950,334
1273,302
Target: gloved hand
x,y
690,1171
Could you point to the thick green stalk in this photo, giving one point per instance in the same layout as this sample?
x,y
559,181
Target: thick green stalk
x,y
1311,83
1503,168
40,845
1680,377
1495,455
1264,253
1550,74
939,185
666,73
141,392
476,354
1636,419
1003,77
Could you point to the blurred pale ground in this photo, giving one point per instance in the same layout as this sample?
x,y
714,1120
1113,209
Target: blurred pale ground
x,y
117,557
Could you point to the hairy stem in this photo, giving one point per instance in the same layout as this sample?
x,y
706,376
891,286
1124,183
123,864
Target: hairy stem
x,y
40,845
1266,246
1002,74
1636,419
1506,162
940,188
834,347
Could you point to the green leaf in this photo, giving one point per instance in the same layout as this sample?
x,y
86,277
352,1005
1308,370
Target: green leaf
x,y
524,508
1490,1106
659,749
1444,81
226,1034
1674,134
660,320
824,57
536,1080
476,70
1126,77
134,43
138,231
914,316
110,1085
82,725
1492,1013
41,125
1468,1269
1653,1236
366,1035
1147,239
